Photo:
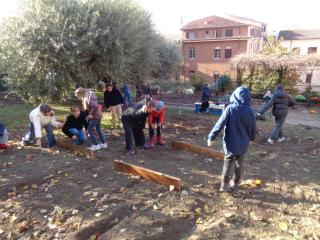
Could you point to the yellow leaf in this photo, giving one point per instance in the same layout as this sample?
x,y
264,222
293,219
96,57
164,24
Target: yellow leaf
x,y
257,182
25,187
93,237
283,226
13,218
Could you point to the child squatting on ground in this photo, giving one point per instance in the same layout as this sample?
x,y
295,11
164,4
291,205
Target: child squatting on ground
x,y
75,124
239,125
94,116
41,117
134,119
4,137
155,121
280,102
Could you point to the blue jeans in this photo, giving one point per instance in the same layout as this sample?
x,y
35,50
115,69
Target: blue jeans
x,y
127,99
30,136
80,135
277,132
95,124
4,137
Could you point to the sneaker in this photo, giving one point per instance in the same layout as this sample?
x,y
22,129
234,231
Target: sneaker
x,y
103,145
281,139
23,144
270,141
130,152
95,147
224,188
233,184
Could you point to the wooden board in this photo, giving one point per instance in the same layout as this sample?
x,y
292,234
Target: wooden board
x,y
196,149
76,149
147,174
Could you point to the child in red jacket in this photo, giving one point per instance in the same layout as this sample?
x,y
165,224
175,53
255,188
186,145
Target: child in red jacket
x,y
156,120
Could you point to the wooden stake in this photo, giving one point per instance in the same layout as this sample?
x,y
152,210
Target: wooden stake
x,y
77,149
147,174
196,149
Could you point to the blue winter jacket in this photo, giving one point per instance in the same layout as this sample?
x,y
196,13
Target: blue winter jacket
x,y
238,122
205,94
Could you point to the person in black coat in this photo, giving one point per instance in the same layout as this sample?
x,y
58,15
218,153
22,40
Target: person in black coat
x,y
134,119
113,100
74,125
280,103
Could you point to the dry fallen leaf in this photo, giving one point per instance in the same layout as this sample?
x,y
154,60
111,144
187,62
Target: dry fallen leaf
x,y
283,226
29,157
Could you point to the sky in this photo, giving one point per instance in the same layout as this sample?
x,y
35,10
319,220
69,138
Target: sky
x,y
169,15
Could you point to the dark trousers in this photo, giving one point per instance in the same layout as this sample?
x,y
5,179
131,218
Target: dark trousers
x,y
135,131
151,129
228,163
204,106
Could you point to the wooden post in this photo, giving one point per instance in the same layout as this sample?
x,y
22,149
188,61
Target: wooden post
x,y
77,149
147,174
196,149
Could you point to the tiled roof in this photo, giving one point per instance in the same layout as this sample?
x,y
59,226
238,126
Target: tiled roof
x,y
216,22
299,34
210,22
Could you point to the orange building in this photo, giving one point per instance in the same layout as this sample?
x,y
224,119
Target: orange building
x,y
208,44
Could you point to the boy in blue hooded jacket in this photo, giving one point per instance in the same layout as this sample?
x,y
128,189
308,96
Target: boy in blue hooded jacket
x,y
239,125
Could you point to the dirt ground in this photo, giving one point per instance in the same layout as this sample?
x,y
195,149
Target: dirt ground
x,y
57,195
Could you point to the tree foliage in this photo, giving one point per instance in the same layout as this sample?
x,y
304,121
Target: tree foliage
x,y
55,45
272,66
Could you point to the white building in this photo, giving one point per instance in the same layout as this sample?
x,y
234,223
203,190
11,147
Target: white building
x,y
304,42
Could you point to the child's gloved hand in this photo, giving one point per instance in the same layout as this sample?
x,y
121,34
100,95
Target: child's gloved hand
x,y
210,143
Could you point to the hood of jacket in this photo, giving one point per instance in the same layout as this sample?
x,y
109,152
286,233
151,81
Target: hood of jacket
x,y
241,96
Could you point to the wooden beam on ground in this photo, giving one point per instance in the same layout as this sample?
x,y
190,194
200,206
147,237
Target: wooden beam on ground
x,y
76,149
196,149
147,174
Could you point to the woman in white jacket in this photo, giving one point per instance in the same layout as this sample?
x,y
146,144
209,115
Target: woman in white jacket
x,y
41,117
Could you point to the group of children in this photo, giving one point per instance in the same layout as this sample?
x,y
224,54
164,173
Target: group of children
x,y
86,120
238,121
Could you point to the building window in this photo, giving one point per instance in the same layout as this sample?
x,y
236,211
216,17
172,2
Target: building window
x,y
216,76
309,78
217,53
296,50
229,32
191,35
217,33
228,52
207,32
312,50
192,53
192,74
252,32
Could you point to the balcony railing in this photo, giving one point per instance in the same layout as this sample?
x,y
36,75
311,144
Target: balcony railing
x,y
219,38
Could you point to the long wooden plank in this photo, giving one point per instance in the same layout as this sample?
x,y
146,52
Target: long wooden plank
x,y
147,174
77,149
196,149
